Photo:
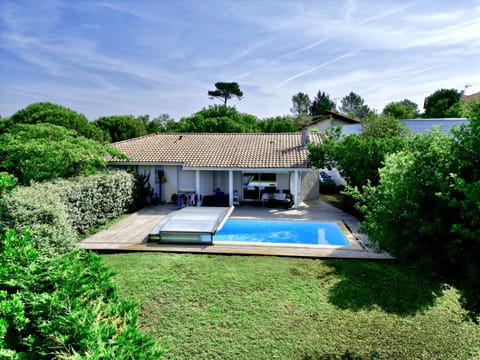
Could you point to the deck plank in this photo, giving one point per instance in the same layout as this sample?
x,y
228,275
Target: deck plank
x,y
131,234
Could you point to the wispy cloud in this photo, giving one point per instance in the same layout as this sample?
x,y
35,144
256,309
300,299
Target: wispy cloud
x,y
113,56
332,61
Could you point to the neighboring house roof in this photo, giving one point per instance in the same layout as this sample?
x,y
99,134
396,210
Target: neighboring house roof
x,y
424,125
467,99
416,125
333,115
224,150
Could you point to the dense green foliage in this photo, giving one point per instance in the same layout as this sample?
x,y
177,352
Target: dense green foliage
x,y
321,104
225,91
65,307
353,105
443,103
264,307
45,151
122,127
7,182
92,201
405,109
43,213
358,157
219,118
53,114
277,124
425,207
396,212
56,212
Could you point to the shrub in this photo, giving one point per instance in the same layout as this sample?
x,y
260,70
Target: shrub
x,y
43,213
64,307
94,200
404,213
7,182
328,187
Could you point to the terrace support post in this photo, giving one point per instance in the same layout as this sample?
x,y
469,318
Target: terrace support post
x,y
197,186
230,188
296,190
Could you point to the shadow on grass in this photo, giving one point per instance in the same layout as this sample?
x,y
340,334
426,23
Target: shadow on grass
x,y
395,288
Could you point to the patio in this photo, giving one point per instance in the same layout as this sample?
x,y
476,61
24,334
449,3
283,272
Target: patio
x,y
131,233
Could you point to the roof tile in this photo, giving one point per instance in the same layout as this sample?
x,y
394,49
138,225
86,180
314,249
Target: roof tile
x,y
219,150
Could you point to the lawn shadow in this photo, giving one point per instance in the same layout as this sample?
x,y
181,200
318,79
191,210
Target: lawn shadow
x,y
395,288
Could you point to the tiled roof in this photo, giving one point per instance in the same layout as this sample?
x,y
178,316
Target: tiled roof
x,y
333,114
469,98
224,150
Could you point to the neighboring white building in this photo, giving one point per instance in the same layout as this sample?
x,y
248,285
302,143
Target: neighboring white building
x,y
242,166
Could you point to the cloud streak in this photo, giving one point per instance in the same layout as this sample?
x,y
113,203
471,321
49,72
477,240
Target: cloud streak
x,y
325,64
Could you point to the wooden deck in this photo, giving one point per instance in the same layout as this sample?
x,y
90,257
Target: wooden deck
x,y
131,234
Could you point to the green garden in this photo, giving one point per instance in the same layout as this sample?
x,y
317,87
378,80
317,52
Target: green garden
x,y
417,196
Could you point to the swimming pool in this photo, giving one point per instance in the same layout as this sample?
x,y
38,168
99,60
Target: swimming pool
x,y
283,232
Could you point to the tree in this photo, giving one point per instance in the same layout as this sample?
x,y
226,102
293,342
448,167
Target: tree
x,y
122,127
225,91
443,103
45,112
321,104
353,105
358,157
277,124
159,124
45,151
301,104
218,118
405,109
382,126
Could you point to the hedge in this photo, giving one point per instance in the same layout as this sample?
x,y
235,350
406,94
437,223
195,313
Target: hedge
x,y
43,213
56,212
93,200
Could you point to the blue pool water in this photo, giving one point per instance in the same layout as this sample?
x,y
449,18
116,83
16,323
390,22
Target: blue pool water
x,y
285,232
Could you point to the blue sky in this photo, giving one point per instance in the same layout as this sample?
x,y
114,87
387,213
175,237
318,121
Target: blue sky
x,y
153,57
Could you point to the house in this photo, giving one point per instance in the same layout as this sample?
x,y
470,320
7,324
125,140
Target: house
x,y
330,119
242,167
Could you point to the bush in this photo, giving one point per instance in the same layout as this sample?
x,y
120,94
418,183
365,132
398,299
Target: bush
x,y
43,213
94,200
7,182
404,213
328,187
56,212
64,307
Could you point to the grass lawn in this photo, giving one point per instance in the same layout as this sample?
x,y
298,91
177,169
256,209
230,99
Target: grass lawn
x,y
251,307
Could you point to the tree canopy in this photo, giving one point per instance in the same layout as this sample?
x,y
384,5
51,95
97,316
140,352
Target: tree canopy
x,y
353,105
300,104
123,127
405,109
277,124
46,151
225,91
45,112
443,103
321,104
218,118
358,157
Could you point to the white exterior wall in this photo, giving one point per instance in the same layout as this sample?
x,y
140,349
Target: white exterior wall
x,y
283,181
322,125
309,189
170,187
